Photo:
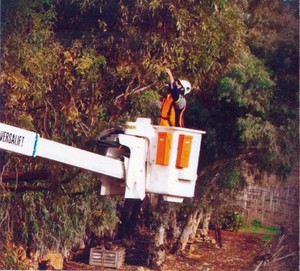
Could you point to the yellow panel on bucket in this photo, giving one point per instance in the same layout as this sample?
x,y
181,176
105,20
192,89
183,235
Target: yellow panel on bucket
x,y
163,148
184,151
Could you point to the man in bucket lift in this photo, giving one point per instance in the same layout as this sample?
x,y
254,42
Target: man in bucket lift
x,y
174,104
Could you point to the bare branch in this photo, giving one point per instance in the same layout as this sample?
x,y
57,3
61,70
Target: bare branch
x,y
219,165
139,90
124,96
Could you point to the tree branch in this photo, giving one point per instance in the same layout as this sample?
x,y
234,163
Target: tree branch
x,y
219,165
26,176
33,176
123,96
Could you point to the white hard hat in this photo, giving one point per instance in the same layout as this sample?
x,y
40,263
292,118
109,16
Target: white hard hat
x,y
186,85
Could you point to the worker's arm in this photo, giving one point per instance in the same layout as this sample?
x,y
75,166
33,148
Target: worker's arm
x,y
173,89
171,78
180,101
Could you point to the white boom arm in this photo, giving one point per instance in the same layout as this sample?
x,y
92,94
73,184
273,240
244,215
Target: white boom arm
x,y
163,160
31,144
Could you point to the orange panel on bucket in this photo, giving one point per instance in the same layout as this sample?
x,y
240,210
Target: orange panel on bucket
x,y
163,148
183,151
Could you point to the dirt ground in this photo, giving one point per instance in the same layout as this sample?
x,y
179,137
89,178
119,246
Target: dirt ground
x,y
237,253
240,252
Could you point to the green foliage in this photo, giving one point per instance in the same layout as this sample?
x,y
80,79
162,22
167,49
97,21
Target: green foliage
x,y
235,221
232,179
56,219
246,104
247,87
227,217
103,216
271,40
49,221
232,220
145,104
88,65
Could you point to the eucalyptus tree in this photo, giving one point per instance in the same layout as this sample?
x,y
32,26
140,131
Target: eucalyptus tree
x,y
71,68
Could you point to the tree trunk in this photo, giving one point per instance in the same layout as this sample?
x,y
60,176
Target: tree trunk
x,y
173,232
199,218
218,235
188,230
205,223
158,251
129,217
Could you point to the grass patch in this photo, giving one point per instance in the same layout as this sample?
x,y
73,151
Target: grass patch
x,y
256,227
266,237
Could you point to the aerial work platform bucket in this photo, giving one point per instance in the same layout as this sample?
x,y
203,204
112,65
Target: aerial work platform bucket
x,y
171,160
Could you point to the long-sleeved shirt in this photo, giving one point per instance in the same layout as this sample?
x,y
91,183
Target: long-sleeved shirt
x,y
180,101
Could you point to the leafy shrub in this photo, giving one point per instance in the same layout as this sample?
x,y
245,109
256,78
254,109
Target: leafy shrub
x,y
232,220
227,217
